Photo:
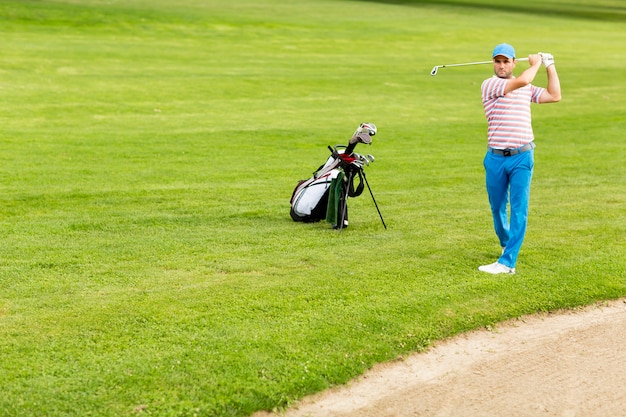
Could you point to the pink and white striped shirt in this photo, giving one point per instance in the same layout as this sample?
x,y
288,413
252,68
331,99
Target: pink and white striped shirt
x,y
508,116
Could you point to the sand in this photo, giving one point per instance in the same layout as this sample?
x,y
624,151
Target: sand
x,y
565,364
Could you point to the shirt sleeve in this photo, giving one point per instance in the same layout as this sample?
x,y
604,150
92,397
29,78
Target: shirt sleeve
x,y
536,93
493,88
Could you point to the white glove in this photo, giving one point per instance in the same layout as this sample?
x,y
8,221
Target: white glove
x,y
547,59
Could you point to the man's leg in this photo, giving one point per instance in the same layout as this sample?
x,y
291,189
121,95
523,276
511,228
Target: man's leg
x,y
497,189
521,171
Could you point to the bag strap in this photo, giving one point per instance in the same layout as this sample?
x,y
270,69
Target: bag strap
x,y
359,189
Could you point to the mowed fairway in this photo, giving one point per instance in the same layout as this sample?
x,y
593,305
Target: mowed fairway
x,y
149,148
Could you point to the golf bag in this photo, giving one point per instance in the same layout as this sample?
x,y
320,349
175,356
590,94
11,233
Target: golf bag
x,y
325,194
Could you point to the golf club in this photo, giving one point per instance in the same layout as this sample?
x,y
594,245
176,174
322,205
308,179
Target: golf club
x,y
433,72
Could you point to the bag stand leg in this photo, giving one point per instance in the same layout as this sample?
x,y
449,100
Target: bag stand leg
x,y
373,199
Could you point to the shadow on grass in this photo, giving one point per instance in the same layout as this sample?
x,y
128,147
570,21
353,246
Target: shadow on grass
x,y
579,10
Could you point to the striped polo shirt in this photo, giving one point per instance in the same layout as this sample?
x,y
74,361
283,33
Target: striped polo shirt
x,y
508,116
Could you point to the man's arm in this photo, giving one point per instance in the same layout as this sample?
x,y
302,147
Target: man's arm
x,y
525,77
552,93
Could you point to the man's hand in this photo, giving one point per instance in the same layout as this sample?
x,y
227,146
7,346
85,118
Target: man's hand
x,y
547,59
534,59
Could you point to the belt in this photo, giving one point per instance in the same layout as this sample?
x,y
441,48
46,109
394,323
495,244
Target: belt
x,y
511,152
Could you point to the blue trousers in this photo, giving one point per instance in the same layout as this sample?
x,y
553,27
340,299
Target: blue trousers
x,y
508,179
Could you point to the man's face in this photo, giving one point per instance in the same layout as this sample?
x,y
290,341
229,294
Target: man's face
x,y
503,66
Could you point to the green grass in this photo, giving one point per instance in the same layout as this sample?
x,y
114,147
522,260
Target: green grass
x,y
148,264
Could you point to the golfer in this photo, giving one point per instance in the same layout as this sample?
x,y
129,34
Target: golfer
x,y
510,154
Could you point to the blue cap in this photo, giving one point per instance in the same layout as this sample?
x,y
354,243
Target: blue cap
x,y
504,49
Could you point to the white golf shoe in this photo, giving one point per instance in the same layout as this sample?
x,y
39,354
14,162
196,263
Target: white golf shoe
x,y
496,268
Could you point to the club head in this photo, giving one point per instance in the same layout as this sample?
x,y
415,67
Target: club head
x,y
361,159
434,70
370,157
368,128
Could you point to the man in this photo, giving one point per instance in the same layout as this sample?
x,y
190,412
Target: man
x,y
510,155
